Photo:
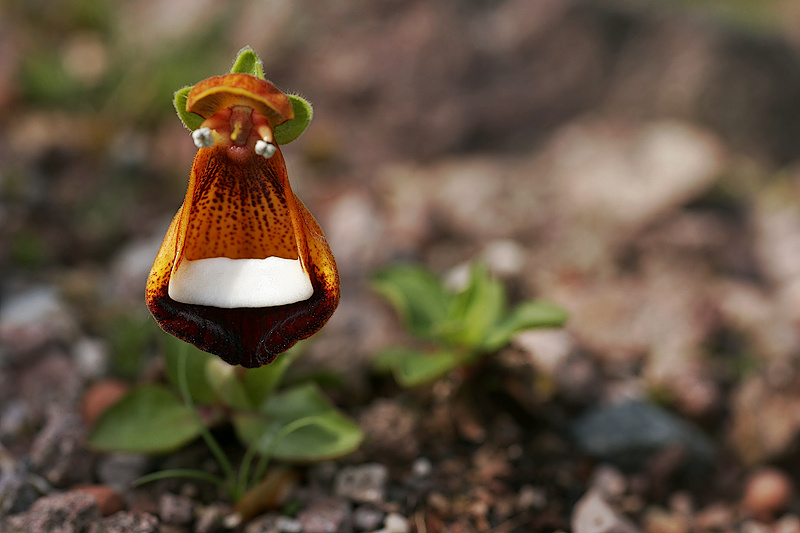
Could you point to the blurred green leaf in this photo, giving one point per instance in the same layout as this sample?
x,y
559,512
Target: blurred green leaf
x,y
223,379
527,315
292,129
417,296
412,368
299,424
474,310
150,419
200,389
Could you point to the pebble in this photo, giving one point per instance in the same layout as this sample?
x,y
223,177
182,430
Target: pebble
x,y
286,524
65,512
422,467
367,518
767,492
31,319
119,470
592,514
16,420
175,509
396,523
609,481
362,483
127,522
91,357
326,515
99,396
630,432
108,500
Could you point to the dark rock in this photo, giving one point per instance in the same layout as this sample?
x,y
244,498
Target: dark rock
x,y
127,522
58,454
71,512
629,433
17,492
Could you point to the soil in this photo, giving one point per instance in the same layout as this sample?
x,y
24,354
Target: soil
x,y
632,162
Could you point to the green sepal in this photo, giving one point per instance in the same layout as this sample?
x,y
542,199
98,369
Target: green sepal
x,y
190,120
292,129
248,62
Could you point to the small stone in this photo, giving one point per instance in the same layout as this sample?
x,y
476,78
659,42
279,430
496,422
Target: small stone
x,y
15,420
99,397
267,523
531,497
91,357
127,522
787,524
58,453
593,515
327,515
363,483
628,433
661,521
289,525
175,509
421,467
396,523
767,492
609,481
70,512
31,319
108,500
120,470
367,518
212,517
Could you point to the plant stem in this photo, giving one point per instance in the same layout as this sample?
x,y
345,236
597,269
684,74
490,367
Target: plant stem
x,y
179,472
211,442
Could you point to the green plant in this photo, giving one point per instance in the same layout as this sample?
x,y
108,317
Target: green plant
x,y
459,327
295,423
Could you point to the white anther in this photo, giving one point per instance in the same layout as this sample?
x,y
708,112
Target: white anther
x,y
203,138
265,149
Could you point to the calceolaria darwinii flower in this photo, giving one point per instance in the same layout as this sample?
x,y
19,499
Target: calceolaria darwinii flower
x,y
244,271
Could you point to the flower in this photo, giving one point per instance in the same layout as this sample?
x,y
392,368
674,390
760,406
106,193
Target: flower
x,y
244,271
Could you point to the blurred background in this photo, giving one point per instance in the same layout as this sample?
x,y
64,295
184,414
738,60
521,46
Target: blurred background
x,y
634,162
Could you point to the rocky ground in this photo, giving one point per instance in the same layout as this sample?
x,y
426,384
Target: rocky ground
x,y
636,164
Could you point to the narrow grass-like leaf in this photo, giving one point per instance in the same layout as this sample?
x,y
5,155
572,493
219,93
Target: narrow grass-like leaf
x,y
321,433
199,388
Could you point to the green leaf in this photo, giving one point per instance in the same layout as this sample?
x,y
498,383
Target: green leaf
x,y
292,129
199,387
248,62
527,315
190,120
259,383
150,419
223,379
474,310
299,424
417,296
412,368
